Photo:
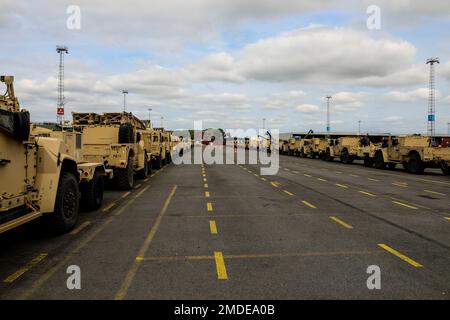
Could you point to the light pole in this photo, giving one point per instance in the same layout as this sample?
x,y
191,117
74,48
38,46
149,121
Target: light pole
x,y
124,92
328,116
359,127
149,117
264,123
162,122
448,128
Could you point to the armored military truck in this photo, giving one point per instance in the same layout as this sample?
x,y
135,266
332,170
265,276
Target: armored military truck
x,y
37,174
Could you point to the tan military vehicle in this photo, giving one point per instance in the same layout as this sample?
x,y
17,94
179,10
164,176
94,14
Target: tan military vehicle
x,y
314,148
296,146
92,175
414,152
283,146
344,148
115,139
159,149
37,175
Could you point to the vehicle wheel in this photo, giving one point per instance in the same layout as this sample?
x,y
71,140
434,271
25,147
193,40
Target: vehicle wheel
x,y
367,161
157,163
125,177
126,133
67,204
391,165
345,157
445,168
149,167
415,164
311,155
379,161
92,192
169,158
21,125
143,173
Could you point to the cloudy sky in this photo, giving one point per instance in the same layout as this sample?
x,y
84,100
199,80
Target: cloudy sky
x,y
231,63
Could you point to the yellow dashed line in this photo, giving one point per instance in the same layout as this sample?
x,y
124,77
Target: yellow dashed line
x,y
402,185
367,193
209,206
263,179
205,185
138,186
108,207
295,172
275,184
434,192
81,227
307,175
126,194
212,227
207,195
354,175
288,193
16,275
342,185
405,205
400,255
371,179
204,179
342,223
320,179
256,175
309,204
220,265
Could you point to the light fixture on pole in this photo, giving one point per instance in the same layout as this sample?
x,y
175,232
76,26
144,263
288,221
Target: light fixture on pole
x,y
124,92
149,117
328,116
359,127
432,101
62,50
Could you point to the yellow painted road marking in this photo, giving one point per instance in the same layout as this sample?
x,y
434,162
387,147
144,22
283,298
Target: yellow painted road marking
x,y
435,192
126,194
354,175
403,185
205,185
288,193
141,192
256,175
342,185
447,218
220,265
337,172
146,179
16,275
320,179
372,179
309,204
148,240
138,186
80,227
153,175
367,193
204,179
203,175
207,195
275,184
342,223
287,169
307,175
108,207
212,227
405,205
209,206
295,172
263,179
400,255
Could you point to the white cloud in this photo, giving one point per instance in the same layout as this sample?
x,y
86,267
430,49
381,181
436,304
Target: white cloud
x,y
308,108
411,96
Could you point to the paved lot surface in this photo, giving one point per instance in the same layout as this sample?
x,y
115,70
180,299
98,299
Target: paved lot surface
x,y
227,232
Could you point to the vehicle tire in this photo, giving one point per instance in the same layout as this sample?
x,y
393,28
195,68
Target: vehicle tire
x,y
149,167
157,163
312,155
143,173
415,164
67,204
367,161
391,165
345,157
92,192
126,133
445,169
21,125
379,161
169,158
125,176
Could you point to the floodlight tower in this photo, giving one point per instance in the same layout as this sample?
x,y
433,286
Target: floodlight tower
x,y
328,116
61,99
124,92
431,127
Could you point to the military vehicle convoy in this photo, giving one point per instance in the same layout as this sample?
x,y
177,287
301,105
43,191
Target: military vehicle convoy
x,y
344,148
38,176
160,148
120,141
414,152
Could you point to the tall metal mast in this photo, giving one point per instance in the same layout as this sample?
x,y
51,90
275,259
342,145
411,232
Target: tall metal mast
x,y
61,99
328,116
431,127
